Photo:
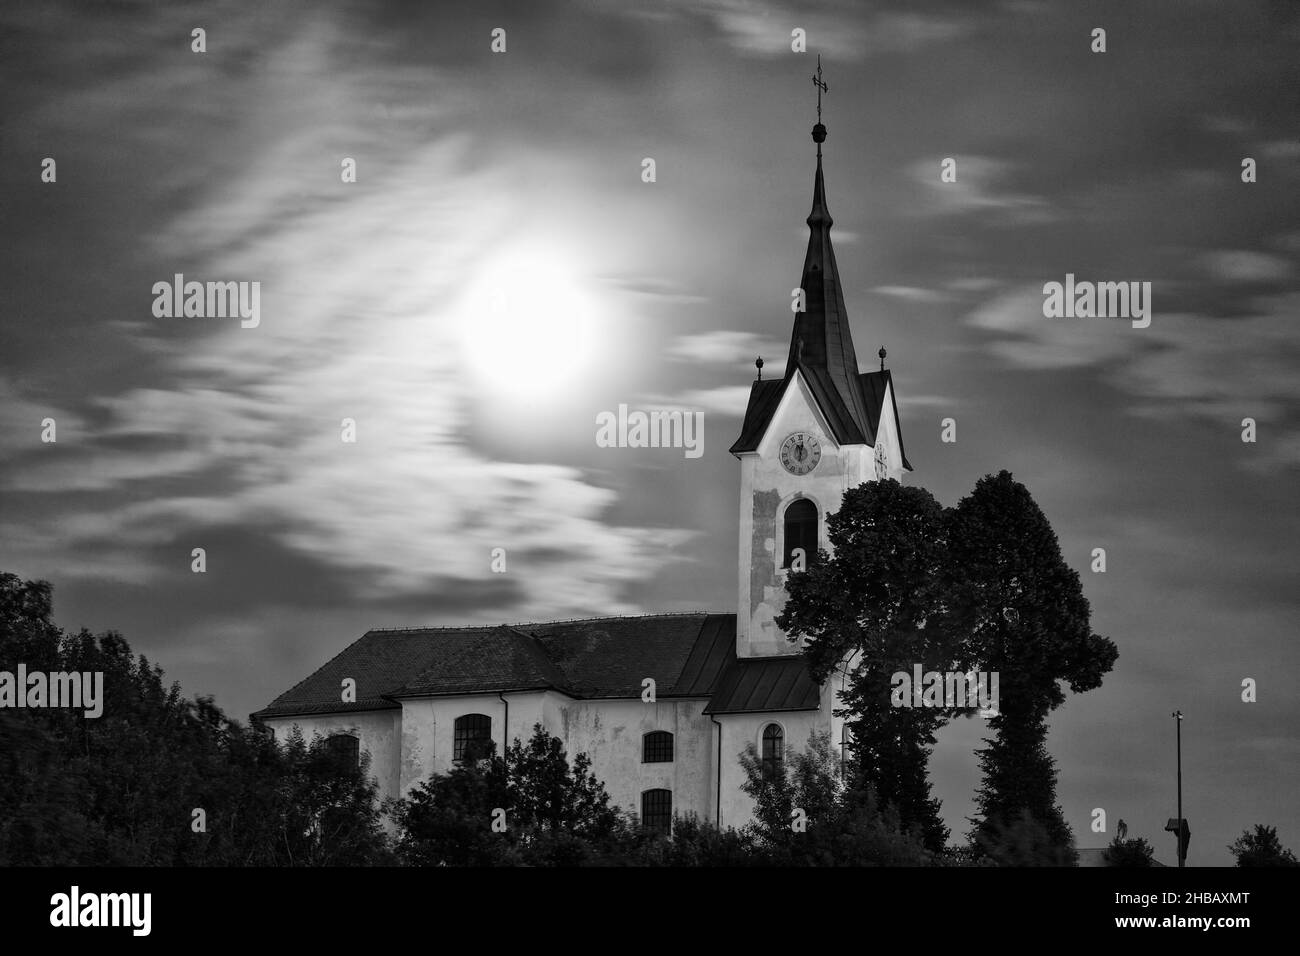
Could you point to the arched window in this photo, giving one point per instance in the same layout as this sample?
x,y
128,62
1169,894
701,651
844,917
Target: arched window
x,y
657,810
657,747
473,737
773,750
344,751
800,531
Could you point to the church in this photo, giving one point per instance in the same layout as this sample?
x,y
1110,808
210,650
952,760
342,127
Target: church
x,y
425,698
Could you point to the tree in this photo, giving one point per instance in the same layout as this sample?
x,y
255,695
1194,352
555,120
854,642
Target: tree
x,y
447,819
1024,616
122,789
804,816
877,607
326,815
1129,853
1021,840
1261,848
546,792
556,813
697,843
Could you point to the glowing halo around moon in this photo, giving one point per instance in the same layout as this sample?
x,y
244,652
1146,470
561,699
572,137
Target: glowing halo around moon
x,y
528,328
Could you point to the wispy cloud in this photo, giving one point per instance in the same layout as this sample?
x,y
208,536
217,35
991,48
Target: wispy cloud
x,y
658,289
1242,265
907,293
728,401
838,28
362,306
1183,364
723,347
983,184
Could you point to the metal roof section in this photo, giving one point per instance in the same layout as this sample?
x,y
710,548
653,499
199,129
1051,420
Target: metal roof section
x,y
763,685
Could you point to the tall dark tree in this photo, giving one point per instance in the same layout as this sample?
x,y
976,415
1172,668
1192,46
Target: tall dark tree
x,y
876,608
1024,616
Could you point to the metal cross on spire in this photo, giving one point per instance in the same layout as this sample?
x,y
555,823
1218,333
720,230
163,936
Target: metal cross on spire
x,y
821,87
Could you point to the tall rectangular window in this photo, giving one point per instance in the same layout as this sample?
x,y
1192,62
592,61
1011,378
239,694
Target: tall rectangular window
x,y
657,810
800,527
345,751
773,751
472,738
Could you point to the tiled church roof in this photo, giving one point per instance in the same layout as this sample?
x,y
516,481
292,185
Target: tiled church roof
x,y
688,655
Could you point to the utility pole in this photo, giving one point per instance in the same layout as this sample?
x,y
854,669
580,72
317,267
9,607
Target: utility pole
x,y
1178,722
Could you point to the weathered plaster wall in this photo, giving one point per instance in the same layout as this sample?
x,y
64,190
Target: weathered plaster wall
x,y
741,729
379,732
406,746
766,490
429,729
610,732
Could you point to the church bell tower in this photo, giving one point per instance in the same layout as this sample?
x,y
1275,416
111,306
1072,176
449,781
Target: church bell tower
x,y
809,436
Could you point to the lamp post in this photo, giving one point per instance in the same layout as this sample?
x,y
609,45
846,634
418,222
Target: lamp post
x,y
1178,835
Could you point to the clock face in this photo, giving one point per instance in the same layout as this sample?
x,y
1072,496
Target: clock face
x,y
800,453
882,464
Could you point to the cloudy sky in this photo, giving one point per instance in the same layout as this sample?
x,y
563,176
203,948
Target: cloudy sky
x,y
500,273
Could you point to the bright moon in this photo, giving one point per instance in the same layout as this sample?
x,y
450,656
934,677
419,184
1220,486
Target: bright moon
x,y
528,330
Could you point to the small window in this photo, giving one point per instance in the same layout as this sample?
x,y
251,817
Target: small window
x,y
473,737
344,751
657,747
773,751
657,810
800,531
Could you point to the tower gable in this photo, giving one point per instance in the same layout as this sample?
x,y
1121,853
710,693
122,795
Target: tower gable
x,y
797,410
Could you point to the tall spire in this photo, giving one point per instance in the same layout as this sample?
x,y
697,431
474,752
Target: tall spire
x,y
821,345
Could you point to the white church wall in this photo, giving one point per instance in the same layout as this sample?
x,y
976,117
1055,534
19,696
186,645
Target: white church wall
x,y
833,699
741,729
766,490
611,731
378,733
887,434
429,728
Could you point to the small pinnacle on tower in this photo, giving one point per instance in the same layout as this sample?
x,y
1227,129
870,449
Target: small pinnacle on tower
x,y
882,353
758,364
